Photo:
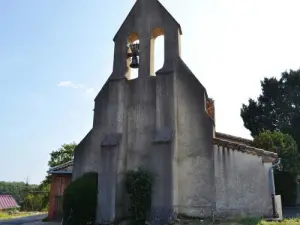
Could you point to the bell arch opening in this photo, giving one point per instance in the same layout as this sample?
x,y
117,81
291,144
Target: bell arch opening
x,y
157,50
132,56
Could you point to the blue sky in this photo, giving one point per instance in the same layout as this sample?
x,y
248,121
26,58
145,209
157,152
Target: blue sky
x,y
56,55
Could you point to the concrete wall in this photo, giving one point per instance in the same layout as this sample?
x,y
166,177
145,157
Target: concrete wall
x,y
195,151
242,184
278,206
164,149
141,121
191,175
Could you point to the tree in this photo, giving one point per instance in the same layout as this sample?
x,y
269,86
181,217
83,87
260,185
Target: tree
x,y
62,155
17,189
277,108
286,148
282,144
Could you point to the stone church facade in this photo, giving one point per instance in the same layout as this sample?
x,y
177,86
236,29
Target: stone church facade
x,y
164,122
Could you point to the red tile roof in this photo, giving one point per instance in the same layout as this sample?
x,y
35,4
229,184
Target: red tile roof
x,y
7,201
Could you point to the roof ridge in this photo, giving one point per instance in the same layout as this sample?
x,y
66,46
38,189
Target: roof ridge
x,y
233,136
62,165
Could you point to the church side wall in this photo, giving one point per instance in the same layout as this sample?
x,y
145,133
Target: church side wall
x,y
242,184
195,149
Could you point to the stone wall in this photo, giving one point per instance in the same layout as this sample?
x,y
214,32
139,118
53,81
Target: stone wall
x,y
242,184
194,143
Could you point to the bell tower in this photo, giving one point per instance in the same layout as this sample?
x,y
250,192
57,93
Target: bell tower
x,y
147,20
157,121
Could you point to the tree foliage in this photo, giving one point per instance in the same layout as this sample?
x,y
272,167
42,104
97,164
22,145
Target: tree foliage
x,y
286,148
282,144
62,155
17,189
277,108
33,202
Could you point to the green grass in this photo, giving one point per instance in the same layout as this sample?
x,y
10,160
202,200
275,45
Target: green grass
x,y
284,222
253,221
247,221
5,215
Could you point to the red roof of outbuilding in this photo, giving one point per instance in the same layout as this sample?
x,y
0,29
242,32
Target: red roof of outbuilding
x,y
7,201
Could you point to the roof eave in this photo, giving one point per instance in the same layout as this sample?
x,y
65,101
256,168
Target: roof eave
x,y
59,172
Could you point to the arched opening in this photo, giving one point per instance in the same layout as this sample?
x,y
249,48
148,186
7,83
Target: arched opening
x,y
131,73
157,50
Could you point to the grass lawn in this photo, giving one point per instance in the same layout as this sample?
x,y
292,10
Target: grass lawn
x,y
263,222
5,215
240,222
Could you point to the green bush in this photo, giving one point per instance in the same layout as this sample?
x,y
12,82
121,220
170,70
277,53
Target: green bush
x,y
80,200
138,186
286,148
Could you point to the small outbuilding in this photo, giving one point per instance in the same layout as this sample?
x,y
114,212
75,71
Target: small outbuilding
x,y
60,179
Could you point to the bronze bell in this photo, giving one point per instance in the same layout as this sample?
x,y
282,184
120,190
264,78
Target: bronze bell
x,y
134,56
134,62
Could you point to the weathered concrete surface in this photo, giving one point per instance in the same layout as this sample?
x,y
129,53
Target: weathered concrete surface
x,y
195,151
242,184
278,206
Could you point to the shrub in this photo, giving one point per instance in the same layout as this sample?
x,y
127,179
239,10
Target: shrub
x,y
286,148
80,200
138,186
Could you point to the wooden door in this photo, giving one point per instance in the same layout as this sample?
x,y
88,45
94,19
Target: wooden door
x,y
58,211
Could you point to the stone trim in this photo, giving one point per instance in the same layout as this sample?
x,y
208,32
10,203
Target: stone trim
x,y
111,140
163,135
244,148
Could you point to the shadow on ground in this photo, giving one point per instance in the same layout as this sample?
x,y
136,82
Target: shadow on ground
x,y
291,212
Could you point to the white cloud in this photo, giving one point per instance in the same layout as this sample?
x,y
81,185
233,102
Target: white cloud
x,y
69,84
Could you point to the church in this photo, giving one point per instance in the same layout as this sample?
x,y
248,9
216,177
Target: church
x,y
164,122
